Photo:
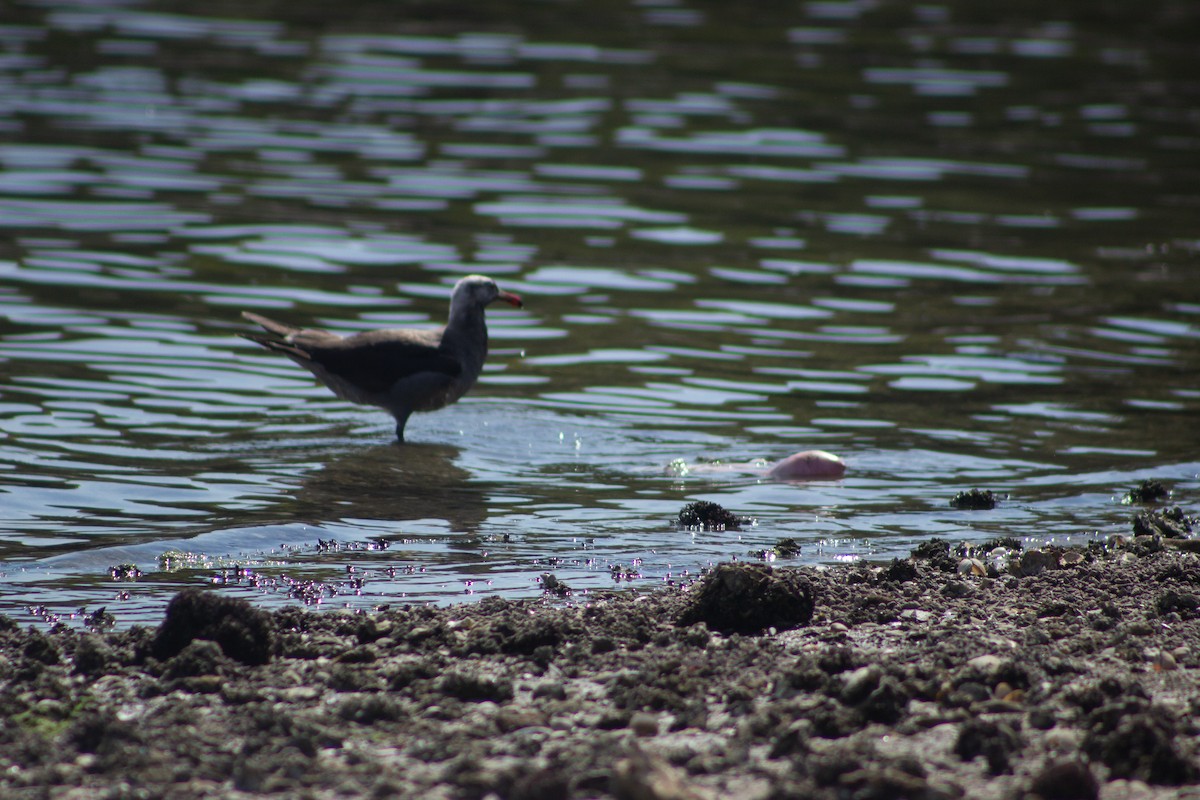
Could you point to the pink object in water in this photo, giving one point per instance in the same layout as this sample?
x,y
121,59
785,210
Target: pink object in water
x,y
808,465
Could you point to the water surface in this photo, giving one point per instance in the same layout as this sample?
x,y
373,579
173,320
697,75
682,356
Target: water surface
x,y
957,247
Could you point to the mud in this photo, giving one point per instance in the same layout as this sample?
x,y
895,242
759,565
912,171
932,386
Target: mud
x,y
906,680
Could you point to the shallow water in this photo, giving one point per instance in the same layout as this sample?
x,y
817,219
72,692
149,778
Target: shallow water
x,y
956,247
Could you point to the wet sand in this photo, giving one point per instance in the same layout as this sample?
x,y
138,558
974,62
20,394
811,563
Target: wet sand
x,y
1068,675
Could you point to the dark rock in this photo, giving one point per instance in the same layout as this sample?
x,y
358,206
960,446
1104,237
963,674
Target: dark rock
x,y
1140,741
967,693
860,683
1057,609
92,655
368,709
1042,719
995,741
1007,542
552,585
937,553
787,548
472,685
793,741
958,589
100,619
100,732
1064,780
900,571
1170,523
1185,604
1033,562
1148,491
835,660
358,655
552,782
708,516
974,500
41,649
749,598
885,783
199,657
245,633
886,703
550,689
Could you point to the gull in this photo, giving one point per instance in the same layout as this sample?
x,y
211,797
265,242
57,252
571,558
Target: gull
x,y
401,370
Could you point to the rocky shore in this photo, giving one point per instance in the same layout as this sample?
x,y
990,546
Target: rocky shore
x,y
1072,674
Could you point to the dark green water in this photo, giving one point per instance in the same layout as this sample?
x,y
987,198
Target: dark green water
x,y
956,246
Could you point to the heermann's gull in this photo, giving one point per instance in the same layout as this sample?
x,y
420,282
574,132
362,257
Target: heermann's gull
x,y
399,369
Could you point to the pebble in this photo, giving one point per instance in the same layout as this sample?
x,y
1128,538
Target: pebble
x,y
1139,628
987,664
861,682
644,724
1065,739
973,691
1066,780
551,689
511,718
1164,662
299,694
1034,562
958,589
1016,697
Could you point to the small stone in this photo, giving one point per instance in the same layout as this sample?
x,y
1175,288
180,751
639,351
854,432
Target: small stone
x,y
552,690
1016,697
647,777
1164,662
644,724
1033,562
510,719
1042,719
972,692
860,683
986,664
1065,780
958,589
